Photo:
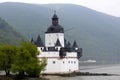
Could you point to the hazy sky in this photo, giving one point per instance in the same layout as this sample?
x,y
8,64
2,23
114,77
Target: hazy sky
x,y
111,7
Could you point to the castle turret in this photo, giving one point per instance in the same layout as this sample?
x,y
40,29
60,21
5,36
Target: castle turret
x,y
68,47
54,32
39,42
55,19
75,46
32,41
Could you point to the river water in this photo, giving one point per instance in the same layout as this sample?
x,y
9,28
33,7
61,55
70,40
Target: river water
x,y
110,69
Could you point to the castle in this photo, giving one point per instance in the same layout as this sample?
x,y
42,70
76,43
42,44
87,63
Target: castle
x,y
62,57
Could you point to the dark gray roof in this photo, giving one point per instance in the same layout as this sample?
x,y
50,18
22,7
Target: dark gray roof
x,y
75,45
57,43
55,29
55,16
79,50
65,42
50,49
68,45
39,42
32,41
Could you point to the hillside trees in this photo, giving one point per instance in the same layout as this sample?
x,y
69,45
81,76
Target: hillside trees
x,y
8,35
22,60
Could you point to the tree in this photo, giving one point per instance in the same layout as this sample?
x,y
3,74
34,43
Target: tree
x,y
7,53
26,62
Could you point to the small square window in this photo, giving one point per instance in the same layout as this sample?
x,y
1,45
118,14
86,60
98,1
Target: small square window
x,y
74,62
68,61
53,62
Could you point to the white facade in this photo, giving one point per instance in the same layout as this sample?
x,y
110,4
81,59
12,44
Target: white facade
x,y
51,38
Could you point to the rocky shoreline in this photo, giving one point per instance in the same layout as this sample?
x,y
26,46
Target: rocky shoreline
x,y
48,76
79,74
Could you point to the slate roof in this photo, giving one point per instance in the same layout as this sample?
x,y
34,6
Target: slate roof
x,y
65,42
58,43
55,16
68,45
32,41
55,27
39,42
75,45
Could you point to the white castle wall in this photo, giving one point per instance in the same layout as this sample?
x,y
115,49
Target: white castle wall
x,y
56,54
65,65
71,54
56,65
51,38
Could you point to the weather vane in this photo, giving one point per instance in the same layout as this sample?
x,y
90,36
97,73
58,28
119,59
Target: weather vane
x,y
54,11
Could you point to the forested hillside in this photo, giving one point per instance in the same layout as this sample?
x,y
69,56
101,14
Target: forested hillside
x,y
8,35
95,32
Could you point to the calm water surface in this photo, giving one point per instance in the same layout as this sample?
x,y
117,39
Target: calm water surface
x,y
111,69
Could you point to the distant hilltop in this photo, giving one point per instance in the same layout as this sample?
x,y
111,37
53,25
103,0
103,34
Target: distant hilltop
x,y
97,33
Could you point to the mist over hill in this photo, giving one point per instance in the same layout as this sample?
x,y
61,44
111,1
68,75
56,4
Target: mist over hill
x,y
8,35
97,33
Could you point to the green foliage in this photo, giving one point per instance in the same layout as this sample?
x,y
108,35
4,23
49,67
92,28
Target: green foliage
x,y
27,61
32,49
22,59
7,57
43,63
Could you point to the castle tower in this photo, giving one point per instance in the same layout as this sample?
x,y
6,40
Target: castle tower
x,y
54,32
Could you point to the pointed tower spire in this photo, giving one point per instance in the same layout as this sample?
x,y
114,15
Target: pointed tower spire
x,y
32,41
68,45
39,42
55,19
58,43
65,42
75,45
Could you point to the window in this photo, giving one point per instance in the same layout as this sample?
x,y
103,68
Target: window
x,y
74,62
41,48
53,62
56,48
71,62
68,61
